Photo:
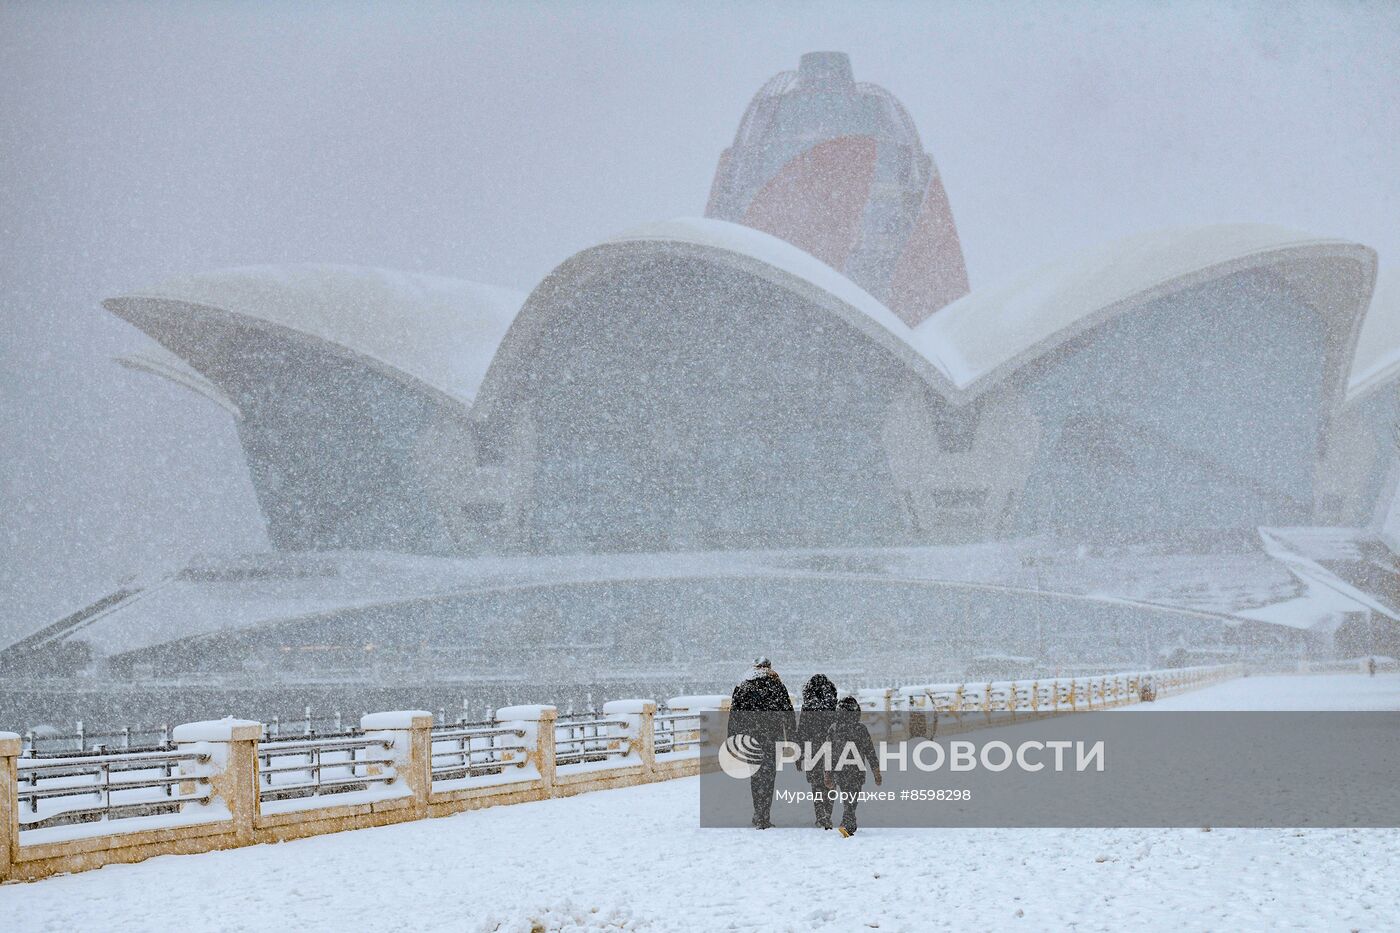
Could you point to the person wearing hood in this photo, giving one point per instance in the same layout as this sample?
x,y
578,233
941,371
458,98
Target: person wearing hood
x,y
761,708
852,754
818,713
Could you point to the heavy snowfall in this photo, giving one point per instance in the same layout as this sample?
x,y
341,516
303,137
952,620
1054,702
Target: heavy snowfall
x,y
411,408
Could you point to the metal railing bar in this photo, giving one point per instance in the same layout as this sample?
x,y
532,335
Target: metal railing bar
x,y
334,782
473,734
477,750
87,790
326,765
116,811
447,774
583,723
303,747
33,764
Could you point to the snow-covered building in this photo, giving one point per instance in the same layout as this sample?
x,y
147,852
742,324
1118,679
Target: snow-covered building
x,y
803,371
1362,472
350,388
698,384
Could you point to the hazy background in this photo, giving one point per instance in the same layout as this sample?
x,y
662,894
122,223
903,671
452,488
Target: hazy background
x,y
139,141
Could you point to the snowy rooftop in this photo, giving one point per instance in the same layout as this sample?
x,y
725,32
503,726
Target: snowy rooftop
x,y
440,331
800,271
992,331
446,332
979,339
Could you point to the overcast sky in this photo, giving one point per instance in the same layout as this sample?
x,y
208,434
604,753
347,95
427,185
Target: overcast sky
x,y
490,142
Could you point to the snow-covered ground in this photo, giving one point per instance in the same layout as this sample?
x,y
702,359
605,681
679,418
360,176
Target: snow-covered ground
x,y
636,859
1291,693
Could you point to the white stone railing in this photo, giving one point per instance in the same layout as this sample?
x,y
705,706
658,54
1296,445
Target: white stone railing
x,y
233,787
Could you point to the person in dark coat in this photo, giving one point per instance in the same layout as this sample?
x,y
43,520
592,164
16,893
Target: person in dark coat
x,y
848,768
818,713
761,708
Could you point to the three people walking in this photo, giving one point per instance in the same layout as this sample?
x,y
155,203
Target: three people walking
x,y
842,751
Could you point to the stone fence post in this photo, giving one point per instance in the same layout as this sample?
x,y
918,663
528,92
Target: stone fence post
x,y
537,722
702,703
9,802
232,770
639,731
411,732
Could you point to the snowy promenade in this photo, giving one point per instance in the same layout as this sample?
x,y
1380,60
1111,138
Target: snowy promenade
x,y
635,859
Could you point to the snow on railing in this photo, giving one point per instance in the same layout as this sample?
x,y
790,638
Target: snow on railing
x,y
467,750
674,731
39,742
237,782
585,737
320,767
47,743
1055,694
102,787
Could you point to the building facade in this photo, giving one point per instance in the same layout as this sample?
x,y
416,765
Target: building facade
x,y
801,374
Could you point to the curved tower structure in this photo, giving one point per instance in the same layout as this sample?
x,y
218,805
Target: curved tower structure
x,y
835,166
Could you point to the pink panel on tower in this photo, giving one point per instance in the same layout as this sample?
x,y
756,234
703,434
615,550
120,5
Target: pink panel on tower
x,y
817,201
930,272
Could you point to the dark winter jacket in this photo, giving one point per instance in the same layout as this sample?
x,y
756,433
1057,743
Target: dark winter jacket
x,y
760,706
849,730
818,714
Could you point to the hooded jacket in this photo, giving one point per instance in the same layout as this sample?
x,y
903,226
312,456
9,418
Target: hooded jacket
x,y
818,714
760,706
845,731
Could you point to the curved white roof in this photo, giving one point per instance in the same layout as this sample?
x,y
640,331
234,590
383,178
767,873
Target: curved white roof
x,y
159,361
440,331
738,247
1377,360
991,332
446,332
799,271
977,340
